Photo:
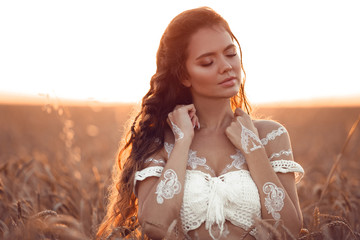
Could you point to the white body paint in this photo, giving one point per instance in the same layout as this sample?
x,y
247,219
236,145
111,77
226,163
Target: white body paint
x,y
271,136
248,136
282,152
159,162
167,187
274,200
177,131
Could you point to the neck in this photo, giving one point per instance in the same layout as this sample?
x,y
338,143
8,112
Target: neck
x,y
213,114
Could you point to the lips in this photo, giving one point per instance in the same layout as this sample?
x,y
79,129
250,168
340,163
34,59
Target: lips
x,y
227,80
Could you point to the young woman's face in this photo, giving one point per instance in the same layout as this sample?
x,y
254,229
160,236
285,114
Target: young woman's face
x,y
213,64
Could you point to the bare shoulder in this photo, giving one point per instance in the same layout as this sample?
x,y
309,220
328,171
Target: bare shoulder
x,y
273,135
161,156
265,127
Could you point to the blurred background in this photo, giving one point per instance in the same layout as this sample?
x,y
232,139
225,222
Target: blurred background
x,y
91,50
72,73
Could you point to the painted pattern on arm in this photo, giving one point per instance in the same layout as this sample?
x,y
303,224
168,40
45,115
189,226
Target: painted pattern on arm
x,y
247,137
177,131
167,187
274,200
278,154
272,135
155,161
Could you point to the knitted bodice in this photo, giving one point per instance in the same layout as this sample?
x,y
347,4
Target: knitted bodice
x,y
232,196
213,200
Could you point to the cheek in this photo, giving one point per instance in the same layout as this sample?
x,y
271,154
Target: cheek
x,y
237,68
201,75
237,65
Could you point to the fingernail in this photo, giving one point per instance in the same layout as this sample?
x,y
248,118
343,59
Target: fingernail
x,y
198,125
194,125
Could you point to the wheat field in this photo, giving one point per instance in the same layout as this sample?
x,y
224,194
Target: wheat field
x,y
55,166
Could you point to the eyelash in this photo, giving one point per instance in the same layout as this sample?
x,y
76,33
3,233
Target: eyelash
x,y
209,64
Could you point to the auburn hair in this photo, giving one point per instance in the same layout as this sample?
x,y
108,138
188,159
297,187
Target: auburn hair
x,y
146,134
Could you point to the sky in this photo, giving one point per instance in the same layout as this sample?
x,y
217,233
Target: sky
x,y
105,50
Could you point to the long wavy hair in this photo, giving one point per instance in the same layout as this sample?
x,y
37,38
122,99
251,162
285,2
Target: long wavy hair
x,y
146,134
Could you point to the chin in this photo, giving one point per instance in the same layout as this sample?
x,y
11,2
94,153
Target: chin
x,y
229,96
234,92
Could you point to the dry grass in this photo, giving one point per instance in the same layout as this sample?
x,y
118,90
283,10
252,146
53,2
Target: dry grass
x,y
55,163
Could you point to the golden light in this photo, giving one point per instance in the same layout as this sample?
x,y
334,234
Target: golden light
x,y
105,51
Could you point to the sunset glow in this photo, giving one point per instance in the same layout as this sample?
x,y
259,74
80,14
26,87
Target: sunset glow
x,y
105,51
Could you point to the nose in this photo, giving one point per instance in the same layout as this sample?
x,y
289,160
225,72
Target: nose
x,y
225,66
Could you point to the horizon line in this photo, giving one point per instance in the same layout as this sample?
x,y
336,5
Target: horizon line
x,y
7,98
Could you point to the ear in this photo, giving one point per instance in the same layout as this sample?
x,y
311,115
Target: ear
x,y
186,82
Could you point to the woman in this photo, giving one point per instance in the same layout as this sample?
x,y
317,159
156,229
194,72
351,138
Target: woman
x,y
195,165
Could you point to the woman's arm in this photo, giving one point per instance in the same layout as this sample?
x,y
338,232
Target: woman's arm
x,y
160,199
277,191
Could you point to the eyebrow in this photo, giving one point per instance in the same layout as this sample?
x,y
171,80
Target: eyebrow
x,y
213,53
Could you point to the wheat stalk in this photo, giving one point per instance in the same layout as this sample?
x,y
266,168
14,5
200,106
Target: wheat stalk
x,y
339,156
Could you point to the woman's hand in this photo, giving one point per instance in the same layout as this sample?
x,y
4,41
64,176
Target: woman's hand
x,y
182,120
242,133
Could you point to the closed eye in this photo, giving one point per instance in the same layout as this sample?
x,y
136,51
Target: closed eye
x,y
231,55
207,64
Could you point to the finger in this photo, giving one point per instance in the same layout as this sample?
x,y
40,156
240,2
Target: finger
x,y
195,122
238,120
190,108
238,112
170,115
168,121
192,114
228,132
177,107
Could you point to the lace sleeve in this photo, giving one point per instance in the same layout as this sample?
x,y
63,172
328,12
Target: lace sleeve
x,y
285,166
154,171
